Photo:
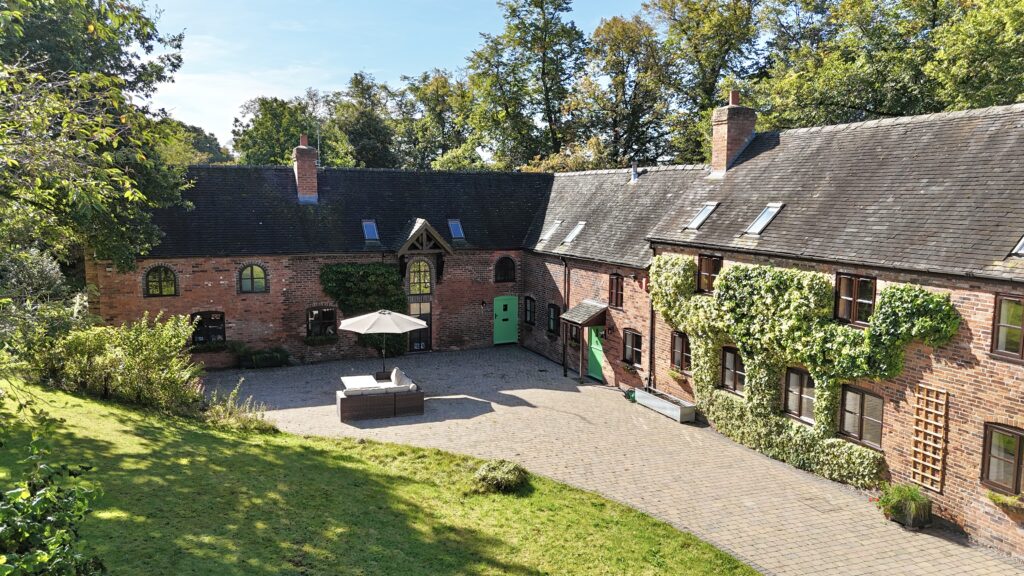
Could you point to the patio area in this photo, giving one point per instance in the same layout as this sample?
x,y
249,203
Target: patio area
x,y
510,403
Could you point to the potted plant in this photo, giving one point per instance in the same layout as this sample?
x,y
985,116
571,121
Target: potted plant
x,y
675,374
906,505
629,367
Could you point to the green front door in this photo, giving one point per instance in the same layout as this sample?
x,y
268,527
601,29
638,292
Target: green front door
x,y
595,360
506,319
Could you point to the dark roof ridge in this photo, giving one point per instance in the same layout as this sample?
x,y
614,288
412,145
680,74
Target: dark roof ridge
x,y
356,169
899,120
239,166
642,169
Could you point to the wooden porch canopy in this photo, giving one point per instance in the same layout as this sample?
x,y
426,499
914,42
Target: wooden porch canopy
x,y
586,313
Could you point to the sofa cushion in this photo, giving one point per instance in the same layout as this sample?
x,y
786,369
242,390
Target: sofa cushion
x,y
396,375
369,390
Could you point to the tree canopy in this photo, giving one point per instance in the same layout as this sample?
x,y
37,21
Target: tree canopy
x,y
541,95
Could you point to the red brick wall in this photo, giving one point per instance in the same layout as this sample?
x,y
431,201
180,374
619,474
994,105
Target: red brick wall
x,y
278,317
982,388
544,281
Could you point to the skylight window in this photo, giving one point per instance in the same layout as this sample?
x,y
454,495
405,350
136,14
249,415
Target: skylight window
x,y
574,232
455,227
370,230
551,231
1019,250
702,215
764,219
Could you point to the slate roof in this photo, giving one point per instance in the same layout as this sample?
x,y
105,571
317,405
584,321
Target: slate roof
x,y
619,214
586,313
942,193
252,210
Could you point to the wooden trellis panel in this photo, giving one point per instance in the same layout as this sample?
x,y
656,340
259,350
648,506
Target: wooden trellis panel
x,y
929,448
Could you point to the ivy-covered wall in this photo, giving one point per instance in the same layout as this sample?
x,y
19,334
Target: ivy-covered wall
x,y
780,317
363,288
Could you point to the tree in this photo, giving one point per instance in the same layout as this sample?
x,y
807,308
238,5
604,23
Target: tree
x,y
869,63
360,114
192,145
82,166
501,113
525,73
979,59
706,40
623,98
552,51
112,37
88,164
269,130
430,117
574,158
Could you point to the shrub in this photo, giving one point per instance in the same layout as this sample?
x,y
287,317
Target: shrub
x,y
258,358
41,510
499,476
1004,501
363,288
781,317
905,502
247,415
145,363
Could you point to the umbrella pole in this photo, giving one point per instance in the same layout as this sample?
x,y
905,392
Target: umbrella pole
x,y
383,353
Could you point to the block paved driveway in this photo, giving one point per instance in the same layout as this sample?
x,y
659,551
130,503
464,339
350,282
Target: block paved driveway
x,y
510,403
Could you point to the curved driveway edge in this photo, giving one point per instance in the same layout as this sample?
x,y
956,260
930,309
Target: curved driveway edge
x,y
510,403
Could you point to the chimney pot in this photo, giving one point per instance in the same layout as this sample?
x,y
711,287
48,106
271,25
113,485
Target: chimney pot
x,y
734,98
304,163
634,173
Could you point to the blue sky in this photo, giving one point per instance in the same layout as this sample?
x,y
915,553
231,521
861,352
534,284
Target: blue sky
x,y
237,50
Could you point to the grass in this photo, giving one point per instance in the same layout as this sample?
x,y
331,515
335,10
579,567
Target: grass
x,y
182,498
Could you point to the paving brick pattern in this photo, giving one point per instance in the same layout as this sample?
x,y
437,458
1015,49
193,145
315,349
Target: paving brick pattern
x,y
510,403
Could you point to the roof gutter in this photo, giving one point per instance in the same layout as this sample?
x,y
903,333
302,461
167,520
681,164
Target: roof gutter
x,y
772,254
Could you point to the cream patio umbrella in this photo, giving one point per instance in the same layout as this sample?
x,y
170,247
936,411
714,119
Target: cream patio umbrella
x,y
382,322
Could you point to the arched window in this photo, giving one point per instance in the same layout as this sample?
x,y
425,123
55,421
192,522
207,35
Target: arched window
x,y
419,278
161,281
505,270
252,278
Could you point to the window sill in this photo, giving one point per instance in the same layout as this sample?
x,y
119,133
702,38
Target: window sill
x,y
857,325
1006,358
733,392
159,295
853,440
997,488
799,420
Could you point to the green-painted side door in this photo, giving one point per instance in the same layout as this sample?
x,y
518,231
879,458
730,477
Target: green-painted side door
x,y
595,360
506,319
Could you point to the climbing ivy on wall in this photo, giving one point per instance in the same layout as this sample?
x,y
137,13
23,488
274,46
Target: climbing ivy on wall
x,y
362,288
776,318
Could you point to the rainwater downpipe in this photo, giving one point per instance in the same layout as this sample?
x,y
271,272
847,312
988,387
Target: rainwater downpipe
x,y
561,330
650,329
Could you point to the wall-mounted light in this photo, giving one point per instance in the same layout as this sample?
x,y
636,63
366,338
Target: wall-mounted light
x,y
632,276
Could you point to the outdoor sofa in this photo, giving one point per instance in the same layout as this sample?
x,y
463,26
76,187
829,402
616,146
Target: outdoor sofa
x,y
365,397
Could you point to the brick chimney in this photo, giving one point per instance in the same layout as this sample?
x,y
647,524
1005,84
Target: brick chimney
x,y
304,161
732,128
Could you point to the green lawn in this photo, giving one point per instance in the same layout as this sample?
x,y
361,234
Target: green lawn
x,y
182,499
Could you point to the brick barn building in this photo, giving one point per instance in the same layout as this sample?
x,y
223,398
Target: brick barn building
x,y
559,264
